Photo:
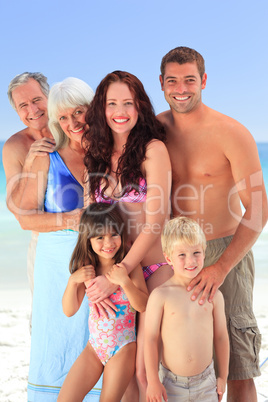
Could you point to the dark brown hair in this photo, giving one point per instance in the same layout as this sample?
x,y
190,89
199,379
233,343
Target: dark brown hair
x,y
100,140
182,55
96,220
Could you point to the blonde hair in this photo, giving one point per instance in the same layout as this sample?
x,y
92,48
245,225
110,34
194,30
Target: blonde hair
x,y
182,230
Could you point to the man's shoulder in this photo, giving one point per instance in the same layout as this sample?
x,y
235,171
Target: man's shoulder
x,y
21,139
165,117
224,121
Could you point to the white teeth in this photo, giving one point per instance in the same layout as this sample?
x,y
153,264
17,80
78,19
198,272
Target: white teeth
x,y
77,131
36,118
120,120
190,269
181,98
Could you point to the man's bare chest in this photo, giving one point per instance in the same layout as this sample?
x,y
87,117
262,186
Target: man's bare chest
x,y
197,162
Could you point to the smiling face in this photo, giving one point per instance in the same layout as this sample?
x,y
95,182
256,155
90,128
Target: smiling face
x,y
186,260
121,112
72,122
182,86
31,104
106,245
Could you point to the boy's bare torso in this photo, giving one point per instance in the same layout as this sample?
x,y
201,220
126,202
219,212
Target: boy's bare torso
x,y
186,331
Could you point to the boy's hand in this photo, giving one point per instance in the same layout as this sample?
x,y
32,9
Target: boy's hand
x,y
221,385
84,274
118,275
155,392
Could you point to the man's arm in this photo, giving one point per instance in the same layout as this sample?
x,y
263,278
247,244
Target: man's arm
x,y
17,165
31,215
242,153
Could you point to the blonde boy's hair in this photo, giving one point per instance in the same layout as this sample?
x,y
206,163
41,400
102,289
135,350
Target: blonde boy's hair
x,y
182,230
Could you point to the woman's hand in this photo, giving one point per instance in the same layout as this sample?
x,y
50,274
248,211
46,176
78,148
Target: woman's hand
x,y
99,289
103,308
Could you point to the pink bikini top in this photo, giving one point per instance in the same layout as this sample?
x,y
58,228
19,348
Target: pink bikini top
x,y
138,195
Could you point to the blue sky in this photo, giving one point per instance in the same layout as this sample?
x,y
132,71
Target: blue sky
x,y
88,39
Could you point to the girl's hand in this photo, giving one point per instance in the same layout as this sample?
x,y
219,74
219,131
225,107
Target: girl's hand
x,y
221,385
118,275
84,274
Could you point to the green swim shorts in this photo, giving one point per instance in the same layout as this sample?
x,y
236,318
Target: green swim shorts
x,y
237,290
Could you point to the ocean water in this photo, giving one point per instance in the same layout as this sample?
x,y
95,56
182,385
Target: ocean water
x,y
14,241
15,299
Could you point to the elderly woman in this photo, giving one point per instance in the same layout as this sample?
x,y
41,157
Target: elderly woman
x,y
51,205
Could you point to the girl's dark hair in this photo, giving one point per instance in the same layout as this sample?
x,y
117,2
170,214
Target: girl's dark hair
x,y
96,220
100,142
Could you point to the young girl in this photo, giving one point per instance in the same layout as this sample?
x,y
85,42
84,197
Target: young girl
x,y
112,341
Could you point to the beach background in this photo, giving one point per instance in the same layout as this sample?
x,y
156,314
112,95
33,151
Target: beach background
x,y
91,38
15,300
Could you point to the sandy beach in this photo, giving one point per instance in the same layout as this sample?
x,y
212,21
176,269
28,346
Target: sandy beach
x,y
15,341
15,308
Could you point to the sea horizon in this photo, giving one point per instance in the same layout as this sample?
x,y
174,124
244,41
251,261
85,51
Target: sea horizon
x,y
14,240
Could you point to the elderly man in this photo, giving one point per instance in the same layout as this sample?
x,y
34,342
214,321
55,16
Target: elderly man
x,y
27,93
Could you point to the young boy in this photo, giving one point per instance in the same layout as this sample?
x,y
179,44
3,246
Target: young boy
x,y
187,329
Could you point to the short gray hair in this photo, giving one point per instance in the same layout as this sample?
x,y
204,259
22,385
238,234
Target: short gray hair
x,y
23,78
69,93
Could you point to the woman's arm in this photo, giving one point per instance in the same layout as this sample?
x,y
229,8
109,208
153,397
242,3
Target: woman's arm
x,y
75,290
31,214
157,170
134,285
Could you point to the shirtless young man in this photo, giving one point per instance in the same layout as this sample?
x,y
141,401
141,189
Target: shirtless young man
x,y
215,165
